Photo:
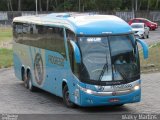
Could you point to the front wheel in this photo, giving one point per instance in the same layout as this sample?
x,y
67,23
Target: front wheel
x,y
119,105
66,98
148,35
144,36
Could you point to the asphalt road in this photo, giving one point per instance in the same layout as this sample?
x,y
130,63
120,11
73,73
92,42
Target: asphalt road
x,y
154,37
15,98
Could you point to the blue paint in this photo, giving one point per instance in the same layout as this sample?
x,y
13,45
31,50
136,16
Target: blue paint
x,y
144,47
17,65
104,100
77,53
56,73
93,27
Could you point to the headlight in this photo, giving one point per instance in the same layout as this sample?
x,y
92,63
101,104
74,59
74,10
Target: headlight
x,y
86,90
140,32
137,87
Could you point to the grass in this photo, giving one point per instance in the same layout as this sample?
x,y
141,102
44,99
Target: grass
x,y
5,34
6,58
152,64
6,53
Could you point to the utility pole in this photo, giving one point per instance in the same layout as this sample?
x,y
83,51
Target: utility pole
x,y
36,7
133,12
19,5
79,5
136,5
47,5
148,5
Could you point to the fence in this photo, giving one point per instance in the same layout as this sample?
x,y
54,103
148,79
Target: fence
x,y
7,17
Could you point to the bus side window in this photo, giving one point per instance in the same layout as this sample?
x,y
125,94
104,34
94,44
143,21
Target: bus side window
x,y
17,32
59,41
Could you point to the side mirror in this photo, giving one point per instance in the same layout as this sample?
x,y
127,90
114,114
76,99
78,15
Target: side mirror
x,y
77,54
144,47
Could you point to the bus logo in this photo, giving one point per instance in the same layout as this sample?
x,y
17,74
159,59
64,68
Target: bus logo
x,y
114,93
100,88
38,69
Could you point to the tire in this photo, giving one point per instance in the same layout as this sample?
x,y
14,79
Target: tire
x,y
66,98
119,105
23,75
26,83
30,84
144,36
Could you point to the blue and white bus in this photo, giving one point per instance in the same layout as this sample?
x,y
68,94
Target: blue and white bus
x,y
88,60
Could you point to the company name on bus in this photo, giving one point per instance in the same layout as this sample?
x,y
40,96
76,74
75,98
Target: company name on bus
x,y
56,60
122,86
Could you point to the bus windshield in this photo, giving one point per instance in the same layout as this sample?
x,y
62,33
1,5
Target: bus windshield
x,y
111,58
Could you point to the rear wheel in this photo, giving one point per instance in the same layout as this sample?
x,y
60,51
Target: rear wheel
x,y
26,83
30,84
23,74
66,97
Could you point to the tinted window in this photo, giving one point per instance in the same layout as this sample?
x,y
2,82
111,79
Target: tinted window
x,y
140,21
134,21
45,37
74,66
17,32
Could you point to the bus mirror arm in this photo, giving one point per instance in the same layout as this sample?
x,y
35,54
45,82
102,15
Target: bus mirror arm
x,y
144,47
77,55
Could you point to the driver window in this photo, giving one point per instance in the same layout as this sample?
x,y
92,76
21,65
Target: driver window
x,y
70,35
120,60
74,66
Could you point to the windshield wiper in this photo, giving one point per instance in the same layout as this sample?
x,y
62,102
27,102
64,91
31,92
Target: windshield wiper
x,y
103,71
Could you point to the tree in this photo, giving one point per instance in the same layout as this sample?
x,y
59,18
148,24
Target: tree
x,y
19,5
88,5
47,5
148,5
157,2
9,4
40,5
3,5
105,5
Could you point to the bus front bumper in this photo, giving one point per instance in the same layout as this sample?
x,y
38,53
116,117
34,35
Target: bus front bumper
x,y
95,100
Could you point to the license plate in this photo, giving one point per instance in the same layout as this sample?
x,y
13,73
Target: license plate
x,y
114,100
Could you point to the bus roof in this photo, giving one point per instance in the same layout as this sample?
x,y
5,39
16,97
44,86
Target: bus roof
x,y
87,24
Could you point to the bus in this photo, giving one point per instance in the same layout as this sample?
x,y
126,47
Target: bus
x,y
87,59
